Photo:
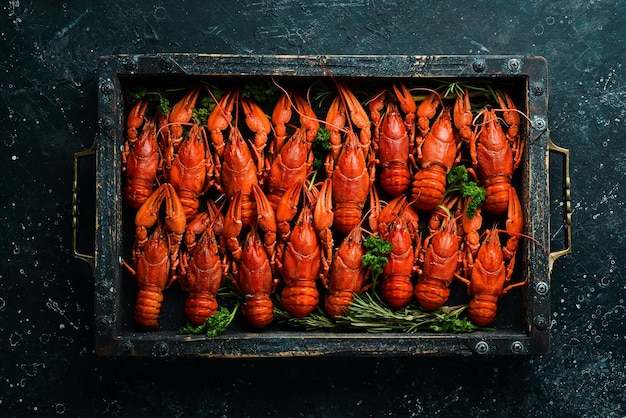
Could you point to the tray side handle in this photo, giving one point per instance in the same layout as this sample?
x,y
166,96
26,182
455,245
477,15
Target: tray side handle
x,y
88,258
567,205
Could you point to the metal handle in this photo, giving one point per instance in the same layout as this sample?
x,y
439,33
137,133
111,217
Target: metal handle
x,y
567,207
88,258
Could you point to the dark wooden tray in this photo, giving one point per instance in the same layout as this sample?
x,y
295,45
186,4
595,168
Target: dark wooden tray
x,y
522,325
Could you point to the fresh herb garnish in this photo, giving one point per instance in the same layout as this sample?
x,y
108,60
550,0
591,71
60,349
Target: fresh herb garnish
x,y
458,181
214,325
368,313
321,146
376,256
262,91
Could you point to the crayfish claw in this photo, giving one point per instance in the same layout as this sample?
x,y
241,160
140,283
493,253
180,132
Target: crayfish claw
x,y
281,116
182,111
266,219
463,117
175,220
323,220
219,120
148,214
233,226
308,119
514,225
405,98
287,208
135,119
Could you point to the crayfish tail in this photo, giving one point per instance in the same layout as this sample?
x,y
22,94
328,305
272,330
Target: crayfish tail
x,y
429,186
431,293
258,310
199,307
482,309
397,291
337,303
300,300
148,309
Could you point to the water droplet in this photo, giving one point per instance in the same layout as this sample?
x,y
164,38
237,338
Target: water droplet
x,y
160,13
15,339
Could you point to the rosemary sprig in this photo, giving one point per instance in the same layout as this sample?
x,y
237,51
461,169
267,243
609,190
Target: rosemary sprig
x,y
315,321
367,313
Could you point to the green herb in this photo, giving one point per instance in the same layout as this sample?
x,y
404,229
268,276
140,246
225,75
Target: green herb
x,y
458,174
155,99
323,94
262,91
367,313
458,181
453,89
452,324
136,94
376,256
203,109
214,325
164,105
315,321
321,146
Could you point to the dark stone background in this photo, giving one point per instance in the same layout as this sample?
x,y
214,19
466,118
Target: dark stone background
x,y
48,96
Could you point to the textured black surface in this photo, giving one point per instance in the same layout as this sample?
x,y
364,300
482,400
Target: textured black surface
x,y
48,92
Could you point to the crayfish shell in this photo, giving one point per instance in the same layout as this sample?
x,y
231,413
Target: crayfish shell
x,y
482,309
300,300
199,307
148,309
431,294
397,291
429,186
337,303
258,310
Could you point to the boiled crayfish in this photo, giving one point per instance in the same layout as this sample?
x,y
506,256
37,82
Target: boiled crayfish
x,y
440,263
156,253
496,155
347,274
201,276
301,266
152,274
488,278
391,148
437,152
189,170
254,280
140,164
271,219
